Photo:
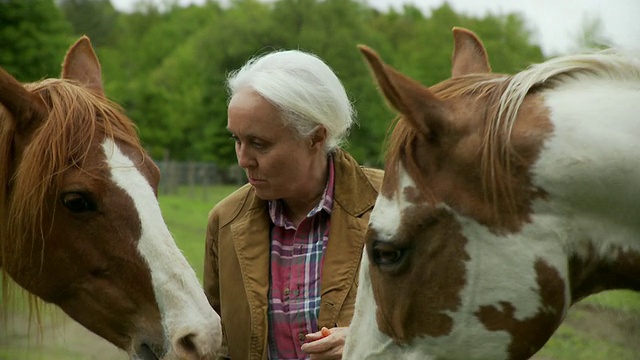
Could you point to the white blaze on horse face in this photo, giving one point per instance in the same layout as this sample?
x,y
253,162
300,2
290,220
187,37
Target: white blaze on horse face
x,y
185,310
386,214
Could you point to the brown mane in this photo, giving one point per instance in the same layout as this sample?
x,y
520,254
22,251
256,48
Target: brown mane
x,y
487,87
76,119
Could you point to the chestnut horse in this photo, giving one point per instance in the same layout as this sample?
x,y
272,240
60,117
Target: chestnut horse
x,y
80,224
505,200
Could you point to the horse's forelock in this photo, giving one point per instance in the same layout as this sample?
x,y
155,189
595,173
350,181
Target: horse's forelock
x,y
77,119
402,140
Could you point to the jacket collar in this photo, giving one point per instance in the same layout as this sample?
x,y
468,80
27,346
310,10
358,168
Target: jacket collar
x,y
354,191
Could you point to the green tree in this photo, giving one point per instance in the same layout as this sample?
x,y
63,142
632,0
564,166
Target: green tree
x,y
33,38
97,19
168,66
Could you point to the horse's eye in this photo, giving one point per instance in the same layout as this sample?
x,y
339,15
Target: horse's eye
x,y
77,202
384,254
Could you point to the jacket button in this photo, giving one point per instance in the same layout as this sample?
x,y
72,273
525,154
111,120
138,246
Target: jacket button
x,y
301,337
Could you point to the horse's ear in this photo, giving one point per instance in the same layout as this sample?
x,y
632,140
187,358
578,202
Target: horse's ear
x,y
419,106
469,54
27,109
81,64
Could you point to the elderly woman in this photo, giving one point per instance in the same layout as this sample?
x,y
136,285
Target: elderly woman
x,y
283,251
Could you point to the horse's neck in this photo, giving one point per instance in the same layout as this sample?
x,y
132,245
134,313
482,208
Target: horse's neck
x,y
591,169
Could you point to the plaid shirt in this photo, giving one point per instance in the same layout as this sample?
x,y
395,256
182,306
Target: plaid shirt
x,y
296,270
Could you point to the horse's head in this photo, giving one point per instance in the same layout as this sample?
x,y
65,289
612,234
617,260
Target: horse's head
x,y
436,239
81,224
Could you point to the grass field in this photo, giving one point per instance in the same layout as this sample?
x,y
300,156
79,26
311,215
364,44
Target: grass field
x,y
602,327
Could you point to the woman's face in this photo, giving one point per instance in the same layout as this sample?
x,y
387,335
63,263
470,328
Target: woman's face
x,y
277,162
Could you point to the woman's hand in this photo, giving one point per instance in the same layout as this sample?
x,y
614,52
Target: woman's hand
x,y
326,344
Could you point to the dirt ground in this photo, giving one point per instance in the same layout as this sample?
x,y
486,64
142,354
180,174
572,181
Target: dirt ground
x,y
64,339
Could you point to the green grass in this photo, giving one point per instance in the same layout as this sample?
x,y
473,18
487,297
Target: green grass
x,y
186,216
587,335
624,300
569,343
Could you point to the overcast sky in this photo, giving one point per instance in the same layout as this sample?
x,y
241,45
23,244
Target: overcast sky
x,y
555,24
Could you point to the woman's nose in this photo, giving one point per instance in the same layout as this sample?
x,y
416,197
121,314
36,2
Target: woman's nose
x,y
245,159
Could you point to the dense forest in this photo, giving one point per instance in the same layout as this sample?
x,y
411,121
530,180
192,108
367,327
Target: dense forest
x,y
167,67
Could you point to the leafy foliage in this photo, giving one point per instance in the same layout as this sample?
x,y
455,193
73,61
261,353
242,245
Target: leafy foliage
x,y
97,19
167,66
34,36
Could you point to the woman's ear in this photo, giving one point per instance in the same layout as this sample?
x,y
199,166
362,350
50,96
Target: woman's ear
x,y
318,137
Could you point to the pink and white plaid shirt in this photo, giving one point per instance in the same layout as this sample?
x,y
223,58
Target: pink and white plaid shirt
x,y
296,270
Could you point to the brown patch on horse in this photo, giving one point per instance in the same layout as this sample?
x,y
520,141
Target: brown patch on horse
x,y
593,273
414,195
414,296
469,54
529,335
446,130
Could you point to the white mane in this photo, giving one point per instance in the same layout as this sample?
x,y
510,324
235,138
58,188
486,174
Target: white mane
x,y
608,64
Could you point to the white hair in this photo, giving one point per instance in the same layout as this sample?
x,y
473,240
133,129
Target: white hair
x,y
305,90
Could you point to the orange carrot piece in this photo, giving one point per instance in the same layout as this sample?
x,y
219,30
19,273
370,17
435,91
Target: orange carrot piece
x,y
325,332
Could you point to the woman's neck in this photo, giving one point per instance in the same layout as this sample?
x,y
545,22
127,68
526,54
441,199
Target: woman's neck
x,y
297,208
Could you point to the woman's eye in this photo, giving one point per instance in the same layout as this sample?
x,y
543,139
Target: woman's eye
x,y
78,202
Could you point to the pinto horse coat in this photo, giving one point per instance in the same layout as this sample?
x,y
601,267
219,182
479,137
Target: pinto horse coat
x,y
506,199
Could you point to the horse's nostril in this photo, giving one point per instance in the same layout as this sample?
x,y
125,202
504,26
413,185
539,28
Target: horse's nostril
x,y
187,344
191,346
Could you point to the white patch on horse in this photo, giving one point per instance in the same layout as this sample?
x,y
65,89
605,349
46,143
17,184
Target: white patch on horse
x,y
374,343
386,214
174,281
499,270
591,164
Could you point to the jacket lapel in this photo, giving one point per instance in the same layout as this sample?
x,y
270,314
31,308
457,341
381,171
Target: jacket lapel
x,y
251,240
354,197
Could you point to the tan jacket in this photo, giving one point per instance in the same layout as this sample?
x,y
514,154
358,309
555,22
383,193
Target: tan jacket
x,y
236,268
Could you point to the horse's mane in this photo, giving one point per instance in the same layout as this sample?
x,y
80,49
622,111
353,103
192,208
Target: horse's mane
x,y
504,95
77,118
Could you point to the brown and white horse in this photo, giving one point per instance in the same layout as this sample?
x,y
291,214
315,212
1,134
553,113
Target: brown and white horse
x,y
80,224
505,200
